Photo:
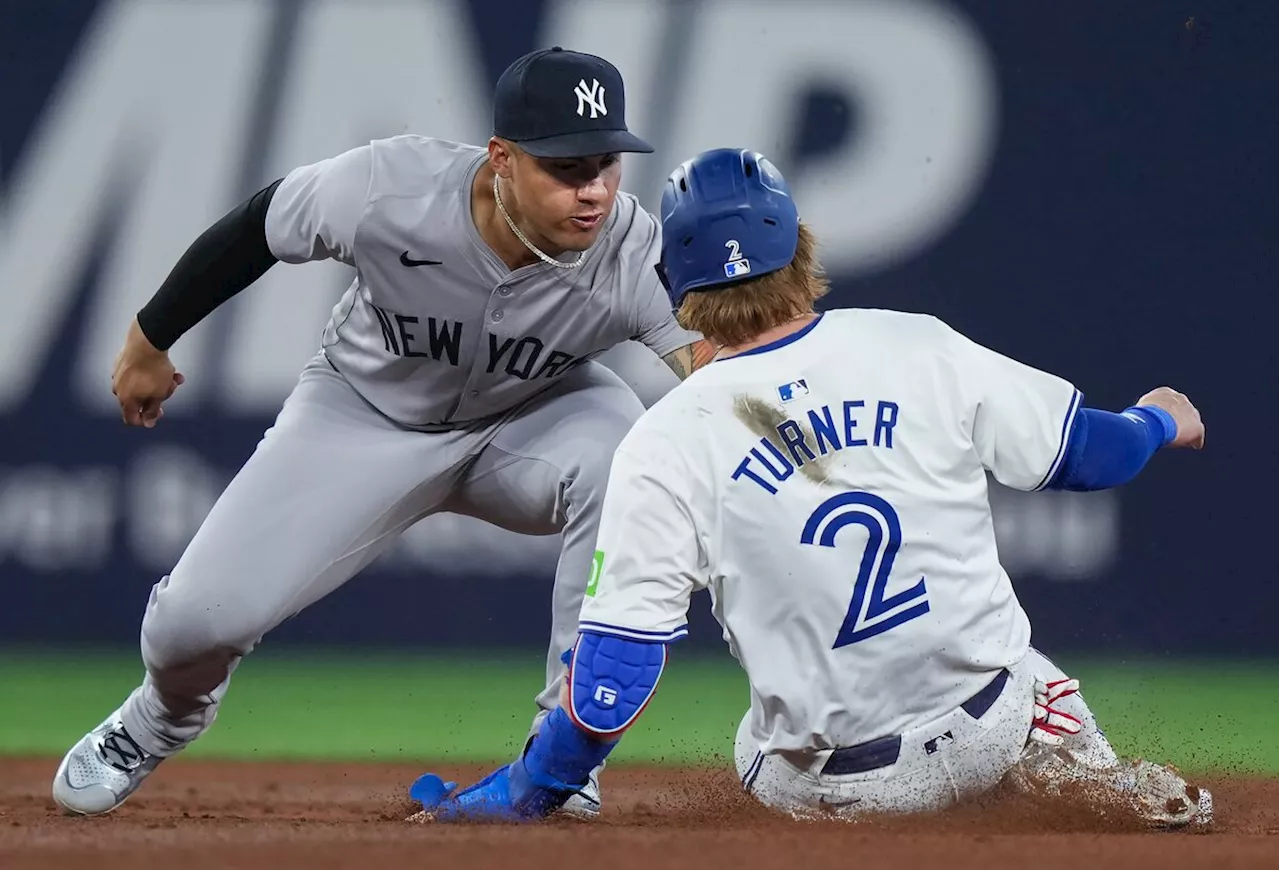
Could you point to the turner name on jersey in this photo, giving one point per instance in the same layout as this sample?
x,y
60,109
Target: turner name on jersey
x,y
828,431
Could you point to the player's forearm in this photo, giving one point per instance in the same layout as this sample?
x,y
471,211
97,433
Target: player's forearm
x,y
225,259
1106,450
684,361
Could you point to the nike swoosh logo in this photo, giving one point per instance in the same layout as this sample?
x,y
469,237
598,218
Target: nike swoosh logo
x,y
405,260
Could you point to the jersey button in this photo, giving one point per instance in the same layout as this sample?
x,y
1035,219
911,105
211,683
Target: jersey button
x,y
496,316
504,291
475,392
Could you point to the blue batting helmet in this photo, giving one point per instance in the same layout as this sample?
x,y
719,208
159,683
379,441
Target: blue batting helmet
x,y
727,215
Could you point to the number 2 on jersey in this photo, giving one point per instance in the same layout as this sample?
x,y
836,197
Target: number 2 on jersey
x,y
870,613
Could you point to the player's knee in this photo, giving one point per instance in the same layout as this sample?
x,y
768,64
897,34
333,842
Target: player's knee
x,y
181,627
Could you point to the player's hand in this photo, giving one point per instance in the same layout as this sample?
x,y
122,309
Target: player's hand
x,y
1050,724
1190,428
143,379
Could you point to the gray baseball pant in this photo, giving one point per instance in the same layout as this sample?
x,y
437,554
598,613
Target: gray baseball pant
x,y
329,487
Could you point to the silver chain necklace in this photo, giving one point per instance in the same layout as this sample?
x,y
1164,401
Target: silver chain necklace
x,y
528,244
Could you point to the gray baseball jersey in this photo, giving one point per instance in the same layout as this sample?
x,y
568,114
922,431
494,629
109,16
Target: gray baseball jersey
x,y
435,329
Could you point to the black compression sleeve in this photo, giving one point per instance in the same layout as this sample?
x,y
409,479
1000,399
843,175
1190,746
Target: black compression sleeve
x,y
228,257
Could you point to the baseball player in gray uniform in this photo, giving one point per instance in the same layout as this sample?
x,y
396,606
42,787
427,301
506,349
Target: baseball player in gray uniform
x,y
455,375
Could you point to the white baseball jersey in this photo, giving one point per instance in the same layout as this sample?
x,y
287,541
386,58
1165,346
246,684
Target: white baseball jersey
x,y
435,330
830,491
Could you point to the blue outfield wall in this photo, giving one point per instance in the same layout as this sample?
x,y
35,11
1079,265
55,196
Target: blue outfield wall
x,y
1085,189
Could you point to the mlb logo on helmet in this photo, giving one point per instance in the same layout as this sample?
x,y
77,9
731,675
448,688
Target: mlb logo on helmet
x,y
793,390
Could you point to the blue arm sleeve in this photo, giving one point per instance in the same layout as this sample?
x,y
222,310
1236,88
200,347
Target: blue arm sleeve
x,y
1106,449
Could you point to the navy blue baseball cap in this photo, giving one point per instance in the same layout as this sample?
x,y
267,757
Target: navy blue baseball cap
x,y
558,103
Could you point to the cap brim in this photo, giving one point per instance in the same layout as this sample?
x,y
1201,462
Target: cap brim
x,y
586,144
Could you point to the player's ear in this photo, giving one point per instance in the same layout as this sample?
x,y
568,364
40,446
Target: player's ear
x,y
502,156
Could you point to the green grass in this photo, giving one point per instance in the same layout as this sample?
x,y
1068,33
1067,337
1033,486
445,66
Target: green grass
x,y
1200,715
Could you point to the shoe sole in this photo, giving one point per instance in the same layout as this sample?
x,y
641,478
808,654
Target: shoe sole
x,y
579,812
65,795
581,807
81,801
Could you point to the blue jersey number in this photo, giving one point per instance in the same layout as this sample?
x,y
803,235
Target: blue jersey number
x,y
870,613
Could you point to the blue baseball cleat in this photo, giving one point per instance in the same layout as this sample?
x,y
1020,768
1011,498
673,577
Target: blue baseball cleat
x,y
489,800
555,766
508,794
430,789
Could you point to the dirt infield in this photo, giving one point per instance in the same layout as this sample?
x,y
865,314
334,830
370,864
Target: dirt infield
x,y
195,814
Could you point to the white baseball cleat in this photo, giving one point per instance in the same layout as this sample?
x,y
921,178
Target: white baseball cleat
x,y
1153,793
100,772
585,805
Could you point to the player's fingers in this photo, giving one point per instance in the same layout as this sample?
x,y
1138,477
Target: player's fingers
x,y
150,412
1059,689
131,412
1064,723
133,396
177,381
1045,713
1048,738
1047,718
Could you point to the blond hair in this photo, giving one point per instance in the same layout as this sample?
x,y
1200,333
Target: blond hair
x,y
734,315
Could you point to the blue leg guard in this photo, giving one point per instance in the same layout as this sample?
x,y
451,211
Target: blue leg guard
x,y
611,680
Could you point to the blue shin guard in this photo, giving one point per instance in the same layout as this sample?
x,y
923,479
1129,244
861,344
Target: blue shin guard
x,y
611,679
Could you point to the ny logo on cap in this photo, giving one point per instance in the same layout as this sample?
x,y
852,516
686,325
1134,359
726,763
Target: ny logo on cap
x,y
593,97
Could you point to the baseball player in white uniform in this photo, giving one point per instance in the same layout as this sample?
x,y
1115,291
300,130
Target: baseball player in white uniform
x,y
456,374
825,478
